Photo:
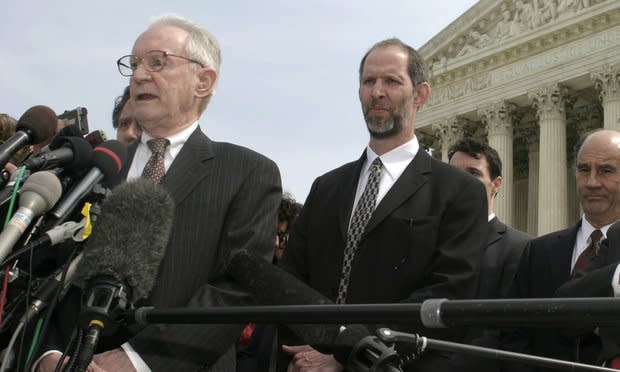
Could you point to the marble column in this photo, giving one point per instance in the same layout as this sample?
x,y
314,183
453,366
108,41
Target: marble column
x,y
550,103
447,132
532,179
498,119
520,208
607,82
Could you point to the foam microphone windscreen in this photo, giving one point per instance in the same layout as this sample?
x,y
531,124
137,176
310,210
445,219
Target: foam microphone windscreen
x,y
82,152
109,158
130,237
271,285
40,122
72,153
71,130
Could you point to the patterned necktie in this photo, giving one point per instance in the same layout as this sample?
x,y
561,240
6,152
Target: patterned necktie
x,y
363,211
155,168
591,250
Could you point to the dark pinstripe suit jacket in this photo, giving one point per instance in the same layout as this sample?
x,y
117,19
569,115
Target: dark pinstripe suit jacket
x,y
226,199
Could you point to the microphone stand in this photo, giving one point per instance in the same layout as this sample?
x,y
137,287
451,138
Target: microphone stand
x,y
400,348
396,349
432,313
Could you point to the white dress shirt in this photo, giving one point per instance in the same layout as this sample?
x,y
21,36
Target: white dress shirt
x,y
394,164
143,152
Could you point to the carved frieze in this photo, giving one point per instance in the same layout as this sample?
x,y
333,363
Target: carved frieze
x,y
511,19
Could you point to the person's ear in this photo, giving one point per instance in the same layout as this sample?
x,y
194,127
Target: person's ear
x,y
206,82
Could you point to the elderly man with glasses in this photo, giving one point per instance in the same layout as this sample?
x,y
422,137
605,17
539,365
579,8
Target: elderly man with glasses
x,y
226,199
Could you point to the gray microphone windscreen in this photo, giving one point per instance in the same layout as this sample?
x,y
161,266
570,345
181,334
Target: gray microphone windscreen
x,y
129,238
45,187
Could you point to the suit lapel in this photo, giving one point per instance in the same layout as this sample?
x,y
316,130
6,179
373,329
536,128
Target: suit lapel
x,y
131,151
189,166
496,231
406,185
561,254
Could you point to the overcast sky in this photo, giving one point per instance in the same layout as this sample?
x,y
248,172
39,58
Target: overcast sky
x,y
288,83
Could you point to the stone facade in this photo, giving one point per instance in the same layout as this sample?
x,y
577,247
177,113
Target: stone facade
x,y
529,77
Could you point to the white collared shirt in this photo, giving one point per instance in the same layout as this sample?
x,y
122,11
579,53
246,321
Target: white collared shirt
x,y
143,152
394,164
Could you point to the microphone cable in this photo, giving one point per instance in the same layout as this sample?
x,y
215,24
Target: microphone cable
x,y
90,213
20,174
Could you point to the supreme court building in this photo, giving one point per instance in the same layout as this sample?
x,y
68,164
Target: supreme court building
x,y
529,77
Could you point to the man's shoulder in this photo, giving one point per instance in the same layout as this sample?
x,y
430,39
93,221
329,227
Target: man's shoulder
x,y
341,170
557,240
228,150
517,235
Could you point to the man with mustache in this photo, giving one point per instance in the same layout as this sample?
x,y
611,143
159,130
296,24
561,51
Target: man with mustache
x,y
396,225
553,259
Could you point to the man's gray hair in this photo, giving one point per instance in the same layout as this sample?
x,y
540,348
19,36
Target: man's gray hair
x,y
201,44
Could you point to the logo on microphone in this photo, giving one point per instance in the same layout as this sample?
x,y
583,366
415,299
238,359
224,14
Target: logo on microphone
x,y
20,221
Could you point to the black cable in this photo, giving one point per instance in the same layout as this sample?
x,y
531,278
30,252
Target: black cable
x,y
77,351
50,310
76,337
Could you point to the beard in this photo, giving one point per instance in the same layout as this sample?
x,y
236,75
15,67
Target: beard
x,y
381,128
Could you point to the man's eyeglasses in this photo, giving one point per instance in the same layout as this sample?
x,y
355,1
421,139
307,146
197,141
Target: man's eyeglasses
x,y
153,61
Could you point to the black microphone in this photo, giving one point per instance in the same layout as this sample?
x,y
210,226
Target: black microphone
x,y
107,161
38,195
35,126
271,285
72,153
122,257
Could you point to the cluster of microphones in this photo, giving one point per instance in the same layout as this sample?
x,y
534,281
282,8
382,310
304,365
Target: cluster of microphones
x,y
68,223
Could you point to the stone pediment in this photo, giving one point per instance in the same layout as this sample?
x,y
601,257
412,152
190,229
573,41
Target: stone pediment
x,y
493,32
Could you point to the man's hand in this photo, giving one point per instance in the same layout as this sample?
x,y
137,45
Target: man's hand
x,y
114,360
48,364
306,359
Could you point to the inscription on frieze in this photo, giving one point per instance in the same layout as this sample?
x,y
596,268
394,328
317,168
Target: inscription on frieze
x,y
527,67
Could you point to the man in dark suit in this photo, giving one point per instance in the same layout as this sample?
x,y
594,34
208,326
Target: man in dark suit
x,y
601,278
226,199
551,260
405,227
504,244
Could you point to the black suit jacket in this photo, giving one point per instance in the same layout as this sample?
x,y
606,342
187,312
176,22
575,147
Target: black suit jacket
x,y
226,199
499,266
546,265
595,281
424,239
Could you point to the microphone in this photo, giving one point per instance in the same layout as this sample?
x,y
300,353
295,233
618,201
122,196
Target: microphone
x,y
259,277
46,292
73,153
107,161
39,194
35,126
122,257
